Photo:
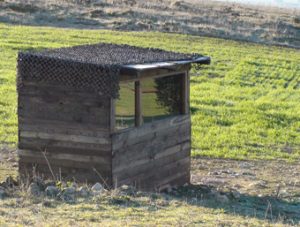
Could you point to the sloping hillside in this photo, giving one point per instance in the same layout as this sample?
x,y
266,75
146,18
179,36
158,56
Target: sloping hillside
x,y
196,17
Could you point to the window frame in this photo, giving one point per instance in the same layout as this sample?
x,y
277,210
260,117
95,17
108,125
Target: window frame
x,y
185,103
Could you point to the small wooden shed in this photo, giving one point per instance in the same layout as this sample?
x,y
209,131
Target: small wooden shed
x,y
117,114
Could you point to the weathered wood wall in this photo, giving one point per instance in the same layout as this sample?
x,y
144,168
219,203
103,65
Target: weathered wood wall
x,y
153,156
70,133
71,126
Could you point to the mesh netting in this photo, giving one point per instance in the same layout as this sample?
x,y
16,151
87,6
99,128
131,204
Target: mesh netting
x,y
96,67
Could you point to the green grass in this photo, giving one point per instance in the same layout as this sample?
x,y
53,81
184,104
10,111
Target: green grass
x,y
245,105
125,211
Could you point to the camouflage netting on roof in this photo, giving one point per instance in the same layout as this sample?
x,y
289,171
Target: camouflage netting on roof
x,y
96,67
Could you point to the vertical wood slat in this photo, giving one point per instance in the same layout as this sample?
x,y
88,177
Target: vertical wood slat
x,y
138,105
185,93
188,91
112,115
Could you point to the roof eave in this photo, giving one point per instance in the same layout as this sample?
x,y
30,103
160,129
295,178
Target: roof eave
x,y
134,72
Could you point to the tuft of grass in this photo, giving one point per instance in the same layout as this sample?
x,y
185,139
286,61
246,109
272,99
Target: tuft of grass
x,y
245,105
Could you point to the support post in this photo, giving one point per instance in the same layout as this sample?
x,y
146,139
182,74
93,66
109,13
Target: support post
x,y
185,93
112,115
138,106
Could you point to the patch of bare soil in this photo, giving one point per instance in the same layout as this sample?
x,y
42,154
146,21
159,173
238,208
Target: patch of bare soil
x,y
274,178
208,18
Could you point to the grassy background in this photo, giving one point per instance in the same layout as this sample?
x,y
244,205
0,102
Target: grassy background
x,y
245,105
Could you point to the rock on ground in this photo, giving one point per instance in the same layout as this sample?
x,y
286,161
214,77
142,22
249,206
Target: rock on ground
x,y
97,188
34,189
3,193
52,191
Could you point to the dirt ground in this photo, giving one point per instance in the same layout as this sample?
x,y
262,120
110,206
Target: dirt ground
x,y
198,17
271,189
279,179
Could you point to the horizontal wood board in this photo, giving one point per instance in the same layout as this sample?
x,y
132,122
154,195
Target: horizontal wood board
x,y
153,156
67,129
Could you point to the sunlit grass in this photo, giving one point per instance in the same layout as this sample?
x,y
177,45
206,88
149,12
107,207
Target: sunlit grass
x,y
246,104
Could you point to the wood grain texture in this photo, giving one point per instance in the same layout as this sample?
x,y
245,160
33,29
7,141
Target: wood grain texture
x,y
32,108
71,127
153,155
138,104
75,129
77,174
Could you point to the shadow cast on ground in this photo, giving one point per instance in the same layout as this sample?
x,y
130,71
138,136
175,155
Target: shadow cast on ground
x,y
262,207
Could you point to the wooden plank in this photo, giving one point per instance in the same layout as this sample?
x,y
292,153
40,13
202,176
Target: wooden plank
x,y
147,166
65,130
153,143
61,126
156,126
30,109
121,164
37,146
42,144
67,157
64,137
138,104
57,87
112,115
65,173
152,147
34,146
185,94
66,163
169,136
188,91
157,175
53,95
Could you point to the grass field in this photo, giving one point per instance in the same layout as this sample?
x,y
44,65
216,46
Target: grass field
x,y
245,105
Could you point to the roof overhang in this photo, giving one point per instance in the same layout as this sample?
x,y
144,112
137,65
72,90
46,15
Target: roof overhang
x,y
137,71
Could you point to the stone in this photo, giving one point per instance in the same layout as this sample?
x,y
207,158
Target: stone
x,y
222,198
128,190
283,193
52,191
213,181
49,183
246,165
97,189
47,203
39,182
214,173
74,185
34,189
248,174
235,194
83,192
10,182
258,185
68,194
3,193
